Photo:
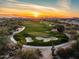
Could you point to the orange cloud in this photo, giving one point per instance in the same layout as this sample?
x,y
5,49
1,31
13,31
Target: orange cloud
x,y
32,11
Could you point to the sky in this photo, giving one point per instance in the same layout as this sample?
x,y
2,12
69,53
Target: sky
x,y
39,8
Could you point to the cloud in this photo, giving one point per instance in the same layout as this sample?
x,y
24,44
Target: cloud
x,y
12,0
36,7
64,4
17,7
26,6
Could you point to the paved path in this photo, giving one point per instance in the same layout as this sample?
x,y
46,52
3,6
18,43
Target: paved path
x,y
12,38
27,46
57,46
46,50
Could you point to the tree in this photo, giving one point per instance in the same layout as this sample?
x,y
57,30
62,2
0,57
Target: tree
x,y
73,35
60,28
30,54
62,53
75,47
3,42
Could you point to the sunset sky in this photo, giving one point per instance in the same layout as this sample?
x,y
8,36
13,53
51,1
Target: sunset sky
x,y
39,8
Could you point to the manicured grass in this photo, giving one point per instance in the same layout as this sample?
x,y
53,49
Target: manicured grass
x,y
37,28
34,29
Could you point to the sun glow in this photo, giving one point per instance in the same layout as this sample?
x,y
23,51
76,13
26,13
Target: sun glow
x,y
35,14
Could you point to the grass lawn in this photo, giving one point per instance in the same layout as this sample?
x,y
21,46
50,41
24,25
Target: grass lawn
x,y
37,28
34,29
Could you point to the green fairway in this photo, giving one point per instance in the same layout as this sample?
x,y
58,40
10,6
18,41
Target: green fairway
x,y
40,29
37,28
